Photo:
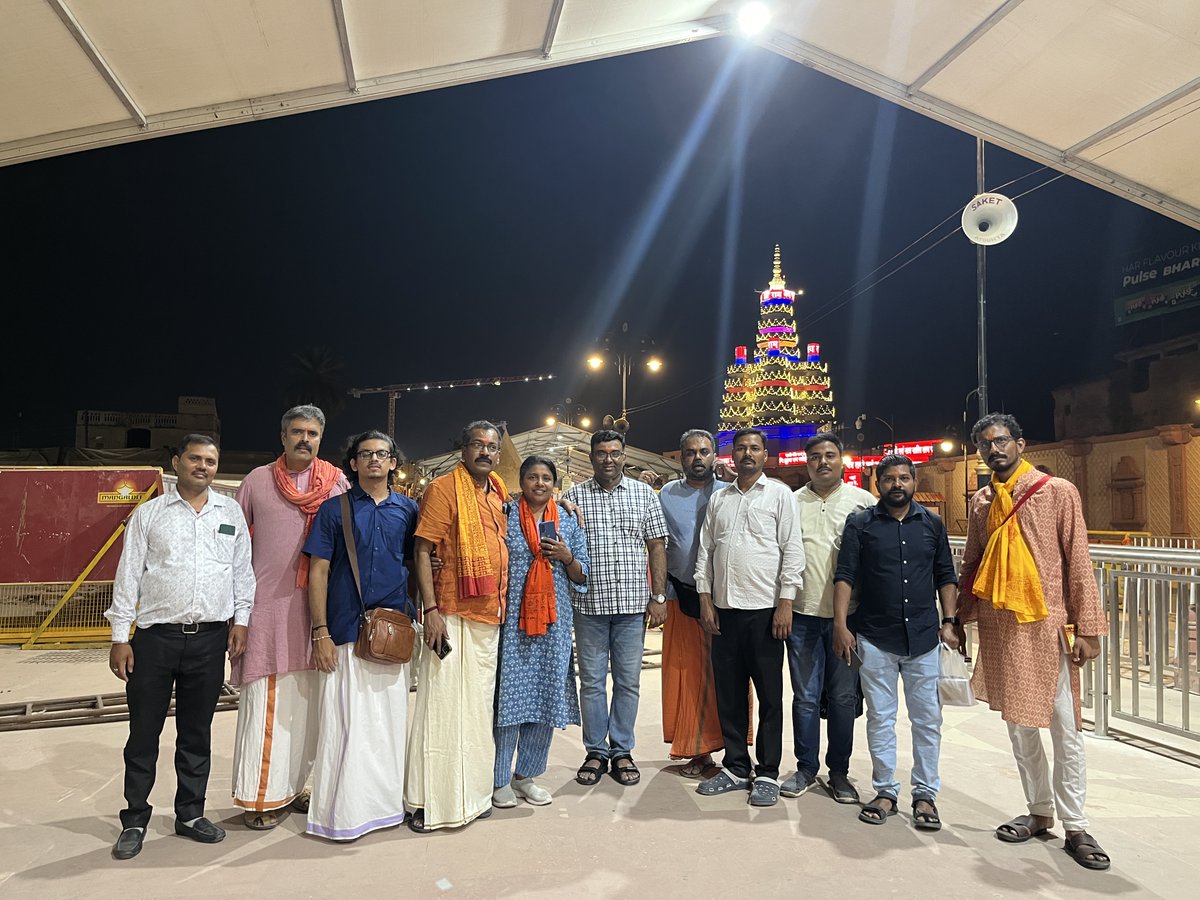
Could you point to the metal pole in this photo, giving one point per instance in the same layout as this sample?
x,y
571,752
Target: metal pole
x,y
623,364
391,397
981,286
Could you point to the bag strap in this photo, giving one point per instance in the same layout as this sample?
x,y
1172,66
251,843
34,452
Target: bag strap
x,y
351,547
1029,493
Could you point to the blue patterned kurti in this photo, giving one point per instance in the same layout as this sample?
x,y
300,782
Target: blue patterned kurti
x,y
536,681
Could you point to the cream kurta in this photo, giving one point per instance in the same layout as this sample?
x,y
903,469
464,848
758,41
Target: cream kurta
x,y
1018,666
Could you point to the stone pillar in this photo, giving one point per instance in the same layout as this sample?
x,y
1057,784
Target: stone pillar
x,y
1079,451
1175,438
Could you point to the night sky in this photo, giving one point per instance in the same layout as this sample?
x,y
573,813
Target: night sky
x,y
501,228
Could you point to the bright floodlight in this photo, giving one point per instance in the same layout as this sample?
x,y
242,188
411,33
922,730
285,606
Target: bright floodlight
x,y
753,18
401,475
550,420
654,364
585,422
595,360
947,445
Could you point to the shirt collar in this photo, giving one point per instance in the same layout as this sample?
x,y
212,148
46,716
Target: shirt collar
x,y
762,481
357,492
596,485
214,499
915,510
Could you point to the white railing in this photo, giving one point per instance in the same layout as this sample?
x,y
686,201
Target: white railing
x,y
1147,670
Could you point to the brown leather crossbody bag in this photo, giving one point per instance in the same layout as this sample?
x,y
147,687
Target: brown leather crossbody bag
x,y
384,635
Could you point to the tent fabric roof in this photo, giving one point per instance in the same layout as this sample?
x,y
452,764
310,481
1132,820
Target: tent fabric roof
x,y
1103,90
569,447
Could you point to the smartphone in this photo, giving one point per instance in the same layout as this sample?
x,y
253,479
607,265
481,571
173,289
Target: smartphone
x,y
443,649
546,531
855,659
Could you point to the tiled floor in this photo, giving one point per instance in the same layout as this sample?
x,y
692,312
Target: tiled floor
x,y
60,790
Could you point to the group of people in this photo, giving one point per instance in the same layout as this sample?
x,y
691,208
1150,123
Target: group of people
x,y
515,593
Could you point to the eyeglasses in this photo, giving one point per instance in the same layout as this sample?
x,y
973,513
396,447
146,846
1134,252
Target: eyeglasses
x,y
476,446
366,455
614,456
999,443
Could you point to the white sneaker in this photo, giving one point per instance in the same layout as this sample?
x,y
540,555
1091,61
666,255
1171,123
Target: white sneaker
x,y
531,791
504,798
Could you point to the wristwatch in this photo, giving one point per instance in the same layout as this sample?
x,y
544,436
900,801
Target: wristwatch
x,y
951,620
659,598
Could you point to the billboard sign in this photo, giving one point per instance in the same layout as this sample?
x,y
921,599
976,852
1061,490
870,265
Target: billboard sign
x,y
1150,284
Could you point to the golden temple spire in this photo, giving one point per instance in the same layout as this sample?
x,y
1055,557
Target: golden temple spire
x,y
777,279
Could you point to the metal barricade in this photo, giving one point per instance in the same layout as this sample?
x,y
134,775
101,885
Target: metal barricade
x,y
1146,672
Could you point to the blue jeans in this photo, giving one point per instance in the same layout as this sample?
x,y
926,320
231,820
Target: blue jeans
x,y
920,674
603,640
815,668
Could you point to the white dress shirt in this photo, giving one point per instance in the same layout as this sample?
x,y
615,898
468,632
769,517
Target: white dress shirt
x,y
183,566
751,552
822,520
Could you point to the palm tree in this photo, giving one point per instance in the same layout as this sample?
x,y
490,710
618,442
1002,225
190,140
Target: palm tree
x,y
314,375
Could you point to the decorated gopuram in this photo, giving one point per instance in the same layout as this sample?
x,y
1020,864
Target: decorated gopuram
x,y
777,388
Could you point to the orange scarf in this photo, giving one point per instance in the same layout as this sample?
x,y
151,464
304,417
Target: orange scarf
x,y
538,602
476,575
322,480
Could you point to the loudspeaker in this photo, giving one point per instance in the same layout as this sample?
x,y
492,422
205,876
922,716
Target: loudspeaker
x,y
989,219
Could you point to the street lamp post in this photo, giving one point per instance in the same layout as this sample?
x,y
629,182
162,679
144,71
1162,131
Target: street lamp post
x,y
623,351
569,412
862,420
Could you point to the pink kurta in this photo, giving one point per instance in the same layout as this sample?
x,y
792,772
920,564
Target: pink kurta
x,y
1018,666
280,638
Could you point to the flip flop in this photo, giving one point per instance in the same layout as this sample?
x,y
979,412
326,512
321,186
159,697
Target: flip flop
x,y
1081,846
260,821
416,822
1019,830
696,767
874,814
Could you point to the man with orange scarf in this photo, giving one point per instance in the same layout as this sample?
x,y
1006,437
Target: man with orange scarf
x,y
1027,580
464,521
277,714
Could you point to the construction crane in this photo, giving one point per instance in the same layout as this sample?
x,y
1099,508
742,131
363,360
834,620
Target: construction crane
x,y
395,390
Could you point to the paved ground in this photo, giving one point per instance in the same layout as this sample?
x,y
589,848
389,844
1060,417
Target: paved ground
x,y
60,790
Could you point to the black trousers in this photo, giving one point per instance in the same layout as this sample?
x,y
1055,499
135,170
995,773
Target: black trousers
x,y
194,666
744,653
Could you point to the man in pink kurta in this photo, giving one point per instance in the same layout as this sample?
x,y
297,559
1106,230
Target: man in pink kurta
x,y
277,717
1028,670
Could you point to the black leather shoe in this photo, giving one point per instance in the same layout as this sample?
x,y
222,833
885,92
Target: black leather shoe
x,y
129,844
201,830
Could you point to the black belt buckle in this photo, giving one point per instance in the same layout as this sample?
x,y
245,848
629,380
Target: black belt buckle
x,y
191,627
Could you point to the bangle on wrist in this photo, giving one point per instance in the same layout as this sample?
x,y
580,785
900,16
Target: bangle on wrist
x,y
430,609
315,627
322,637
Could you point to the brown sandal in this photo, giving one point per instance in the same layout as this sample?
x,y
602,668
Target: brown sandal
x,y
1082,848
1019,830
260,821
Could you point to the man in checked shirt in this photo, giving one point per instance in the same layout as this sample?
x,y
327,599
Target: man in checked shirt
x,y
626,531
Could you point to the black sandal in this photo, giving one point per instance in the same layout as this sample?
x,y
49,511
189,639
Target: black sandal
x,y
926,820
588,775
416,822
874,814
1082,847
626,776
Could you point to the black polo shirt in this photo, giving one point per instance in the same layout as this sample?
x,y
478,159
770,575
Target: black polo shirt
x,y
896,568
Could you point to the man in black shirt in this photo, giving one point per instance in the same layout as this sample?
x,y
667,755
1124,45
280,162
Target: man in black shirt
x,y
896,559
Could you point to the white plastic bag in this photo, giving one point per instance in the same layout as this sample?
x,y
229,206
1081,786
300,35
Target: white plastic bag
x,y
954,684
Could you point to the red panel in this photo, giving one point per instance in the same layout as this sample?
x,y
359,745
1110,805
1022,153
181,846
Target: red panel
x,y
53,520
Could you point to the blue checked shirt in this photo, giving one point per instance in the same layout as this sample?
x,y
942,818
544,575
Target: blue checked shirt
x,y
618,523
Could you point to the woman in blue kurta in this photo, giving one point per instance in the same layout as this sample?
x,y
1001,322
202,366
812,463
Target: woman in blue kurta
x,y
535,684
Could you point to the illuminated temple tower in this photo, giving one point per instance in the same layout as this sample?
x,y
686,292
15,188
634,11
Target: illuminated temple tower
x,y
780,390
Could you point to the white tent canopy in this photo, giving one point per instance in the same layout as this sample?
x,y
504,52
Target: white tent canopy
x,y
1101,89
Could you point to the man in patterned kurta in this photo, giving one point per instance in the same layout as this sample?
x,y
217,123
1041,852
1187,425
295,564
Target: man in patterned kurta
x,y
1027,574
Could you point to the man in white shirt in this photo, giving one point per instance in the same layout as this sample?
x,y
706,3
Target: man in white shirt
x,y
748,570
184,574
823,505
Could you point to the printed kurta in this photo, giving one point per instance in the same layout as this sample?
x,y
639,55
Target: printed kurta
x,y
1018,664
536,682
279,639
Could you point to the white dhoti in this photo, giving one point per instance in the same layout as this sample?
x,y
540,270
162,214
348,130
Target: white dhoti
x,y
358,778
451,749
276,740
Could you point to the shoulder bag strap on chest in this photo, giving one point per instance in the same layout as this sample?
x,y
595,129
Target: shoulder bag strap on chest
x,y
351,547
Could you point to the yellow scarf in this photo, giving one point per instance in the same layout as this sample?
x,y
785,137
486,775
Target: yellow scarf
x,y
476,575
1007,574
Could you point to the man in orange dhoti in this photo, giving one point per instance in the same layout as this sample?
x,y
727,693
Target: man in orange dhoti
x,y
1027,580
689,697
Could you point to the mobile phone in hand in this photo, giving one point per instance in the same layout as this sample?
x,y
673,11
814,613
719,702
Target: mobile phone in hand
x,y
855,659
546,531
443,649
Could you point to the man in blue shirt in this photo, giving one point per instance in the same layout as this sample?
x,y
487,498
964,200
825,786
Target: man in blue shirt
x,y
896,558
358,775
